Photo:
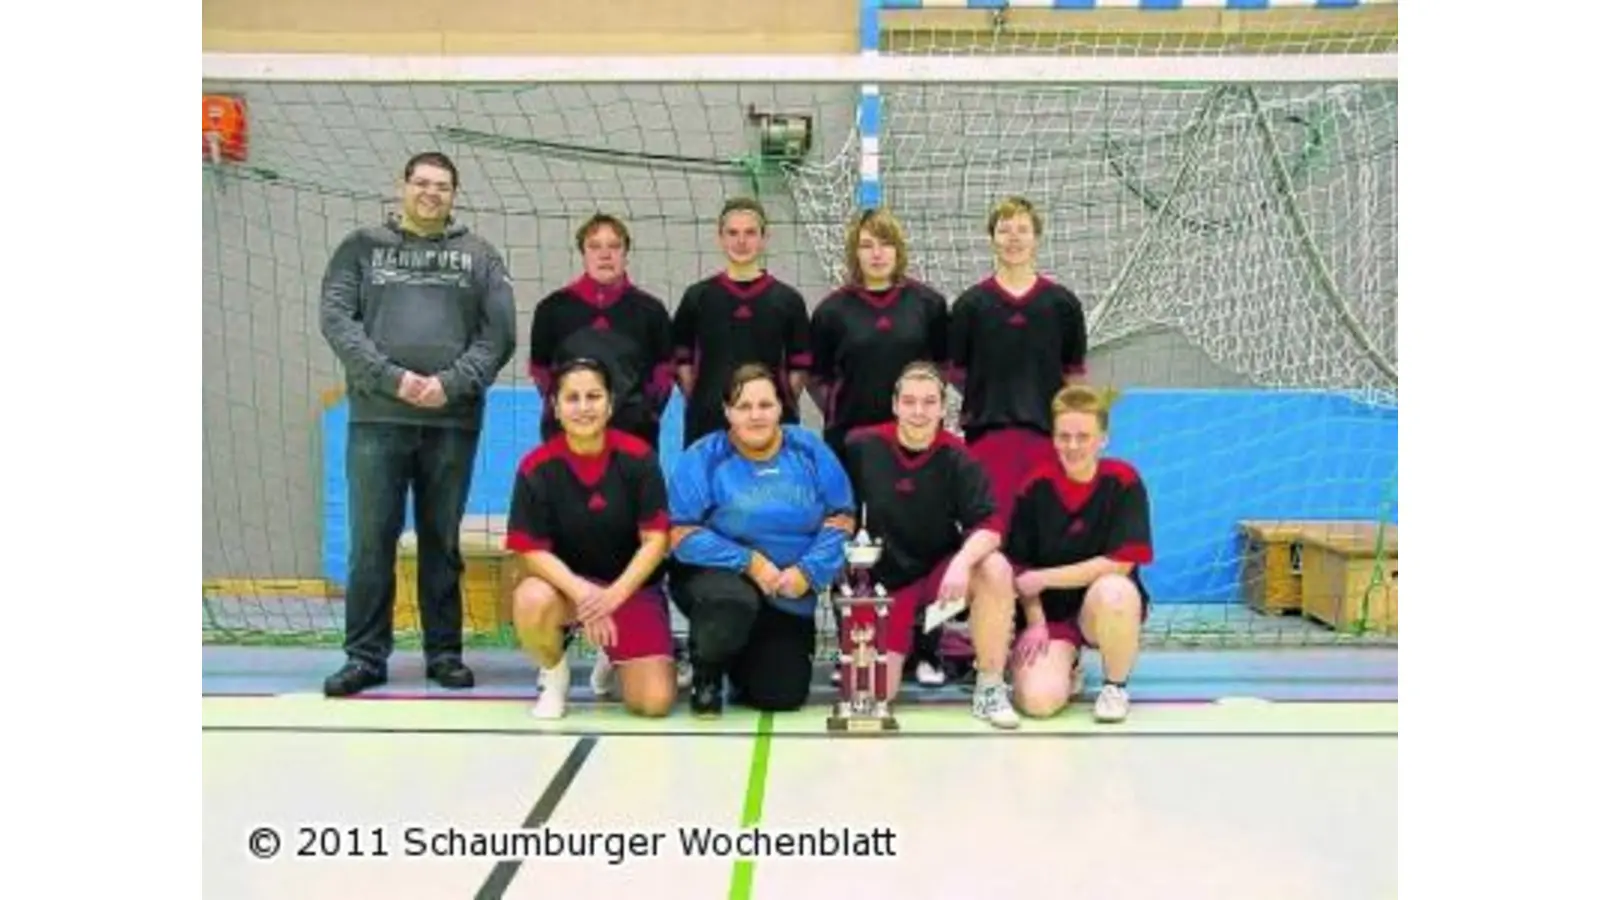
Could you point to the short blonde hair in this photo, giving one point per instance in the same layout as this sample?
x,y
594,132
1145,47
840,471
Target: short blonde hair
x,y
1011,207
881,224
921,370
1079,398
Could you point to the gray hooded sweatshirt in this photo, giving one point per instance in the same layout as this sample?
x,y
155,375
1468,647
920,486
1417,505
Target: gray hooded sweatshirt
x,y
393,301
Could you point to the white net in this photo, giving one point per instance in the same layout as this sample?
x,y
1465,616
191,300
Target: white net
x,y
1221,234
1236,234
1255,218
1256,221
535,162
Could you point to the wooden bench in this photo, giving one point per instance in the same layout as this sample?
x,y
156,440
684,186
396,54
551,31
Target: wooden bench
x,y
1350,575
1322,568
1271,569
486,582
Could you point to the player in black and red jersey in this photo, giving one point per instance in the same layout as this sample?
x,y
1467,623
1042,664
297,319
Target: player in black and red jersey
x,y
602,315
865,334
1015,339
1078,534
930,504
589,519
862,337
739,315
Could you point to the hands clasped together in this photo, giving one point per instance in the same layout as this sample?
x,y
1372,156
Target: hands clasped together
x,y
594,608
422,390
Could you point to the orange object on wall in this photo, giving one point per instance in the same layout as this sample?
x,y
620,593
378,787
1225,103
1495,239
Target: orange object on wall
x,y
223,116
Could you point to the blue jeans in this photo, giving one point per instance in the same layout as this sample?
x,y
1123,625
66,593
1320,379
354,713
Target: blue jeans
x,y
382,463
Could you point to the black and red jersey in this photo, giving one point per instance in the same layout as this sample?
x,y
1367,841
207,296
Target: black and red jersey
x,y
1011,354
1060,522
624,328
722,324
862,340
588,510
923,504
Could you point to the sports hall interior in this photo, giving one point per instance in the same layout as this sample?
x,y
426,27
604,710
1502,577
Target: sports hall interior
x,y
1261,756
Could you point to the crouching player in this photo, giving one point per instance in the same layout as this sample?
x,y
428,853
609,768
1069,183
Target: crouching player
x,y
1079,531
589,520
930,504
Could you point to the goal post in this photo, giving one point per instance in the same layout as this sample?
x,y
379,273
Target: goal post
x,y
1221,196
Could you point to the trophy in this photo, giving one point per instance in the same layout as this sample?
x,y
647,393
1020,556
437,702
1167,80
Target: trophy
x,y
863,705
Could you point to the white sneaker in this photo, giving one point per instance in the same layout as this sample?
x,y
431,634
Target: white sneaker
x,y
992,703
601,675
1112,704
553,685
929,675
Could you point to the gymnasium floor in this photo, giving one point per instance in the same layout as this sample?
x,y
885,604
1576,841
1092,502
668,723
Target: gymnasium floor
x,y
1243,774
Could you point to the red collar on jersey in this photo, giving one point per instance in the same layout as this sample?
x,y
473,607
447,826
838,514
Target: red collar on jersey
x,y
878,301
596,294
745,290
992,285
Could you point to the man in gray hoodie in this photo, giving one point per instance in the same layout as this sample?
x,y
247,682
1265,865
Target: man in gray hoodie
x,y
421,314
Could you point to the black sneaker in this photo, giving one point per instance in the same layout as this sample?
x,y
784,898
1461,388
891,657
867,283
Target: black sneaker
x,y
451,673
705,693
353,678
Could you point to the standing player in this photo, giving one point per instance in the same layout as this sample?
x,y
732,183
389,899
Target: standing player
x,y
1079,533
1015,339
419,311
740,315
589,518
930,504
862,336
865,334
602,315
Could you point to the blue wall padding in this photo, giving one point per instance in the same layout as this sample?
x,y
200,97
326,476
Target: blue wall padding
x,y
1209,458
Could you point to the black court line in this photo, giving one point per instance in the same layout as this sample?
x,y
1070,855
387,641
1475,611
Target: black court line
x,y
505,870
819,734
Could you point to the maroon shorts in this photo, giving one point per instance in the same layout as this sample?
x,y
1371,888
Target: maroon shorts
x,y
1071,632
643,627
1007,456
904,604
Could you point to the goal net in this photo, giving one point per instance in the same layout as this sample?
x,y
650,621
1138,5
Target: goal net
x,y
1222,201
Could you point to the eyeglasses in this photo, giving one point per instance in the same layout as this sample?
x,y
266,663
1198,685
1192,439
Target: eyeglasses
x,y
422,184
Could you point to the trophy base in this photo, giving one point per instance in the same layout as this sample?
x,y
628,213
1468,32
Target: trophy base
x,y
886,724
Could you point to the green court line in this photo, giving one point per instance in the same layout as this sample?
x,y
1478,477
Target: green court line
x,y
755,791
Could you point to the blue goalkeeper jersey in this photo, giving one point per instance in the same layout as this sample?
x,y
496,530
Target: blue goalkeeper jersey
x,y
775,507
